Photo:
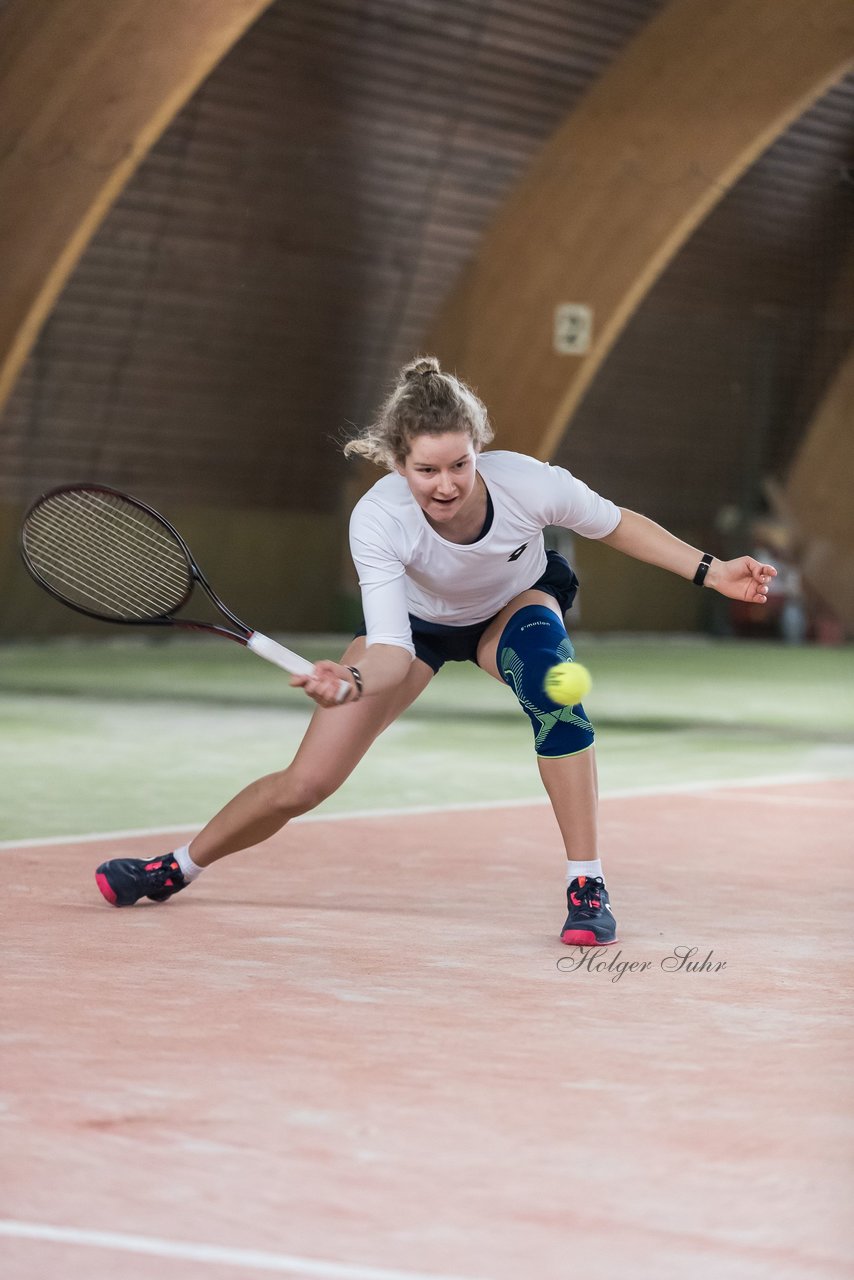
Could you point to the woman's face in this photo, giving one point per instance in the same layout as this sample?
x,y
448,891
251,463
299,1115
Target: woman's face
x,y
440,472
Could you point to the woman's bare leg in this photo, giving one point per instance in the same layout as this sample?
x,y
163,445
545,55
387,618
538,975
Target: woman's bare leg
x,y
572,786
334,743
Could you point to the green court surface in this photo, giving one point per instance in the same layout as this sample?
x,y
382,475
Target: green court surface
x,y
137,733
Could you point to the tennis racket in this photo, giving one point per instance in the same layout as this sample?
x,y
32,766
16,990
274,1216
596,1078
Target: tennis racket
x,y
111,557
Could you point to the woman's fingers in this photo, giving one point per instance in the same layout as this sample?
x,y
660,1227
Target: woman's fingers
x,y
323,685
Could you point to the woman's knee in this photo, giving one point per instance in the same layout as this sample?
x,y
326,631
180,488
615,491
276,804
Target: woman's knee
x,y
533,641
293,793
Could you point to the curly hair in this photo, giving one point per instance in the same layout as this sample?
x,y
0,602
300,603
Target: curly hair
x,y
425,401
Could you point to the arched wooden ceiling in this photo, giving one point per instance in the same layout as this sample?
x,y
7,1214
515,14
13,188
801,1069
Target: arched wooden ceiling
x,y
86,88
292,235
676,119
818,501
815,500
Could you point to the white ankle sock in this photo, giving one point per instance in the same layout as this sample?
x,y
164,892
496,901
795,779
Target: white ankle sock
x,y
576,869
189,870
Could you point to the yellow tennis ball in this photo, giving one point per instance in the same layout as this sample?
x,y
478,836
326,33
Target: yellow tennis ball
x,y
567,683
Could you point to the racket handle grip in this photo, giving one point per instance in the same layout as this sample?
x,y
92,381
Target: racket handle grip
x,y
279,655
288,660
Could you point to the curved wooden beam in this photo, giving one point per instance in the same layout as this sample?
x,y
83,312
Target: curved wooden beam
x,y
86,88
681,114
817,497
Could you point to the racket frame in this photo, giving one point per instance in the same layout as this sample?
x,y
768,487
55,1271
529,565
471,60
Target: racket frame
x,y
256,641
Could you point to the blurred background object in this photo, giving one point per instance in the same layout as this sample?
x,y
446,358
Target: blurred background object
x,y
219,243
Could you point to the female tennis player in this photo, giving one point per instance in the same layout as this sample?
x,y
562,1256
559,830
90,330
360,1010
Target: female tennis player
x,y
452,567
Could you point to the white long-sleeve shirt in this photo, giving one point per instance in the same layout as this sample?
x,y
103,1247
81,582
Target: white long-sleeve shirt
x,y
405,566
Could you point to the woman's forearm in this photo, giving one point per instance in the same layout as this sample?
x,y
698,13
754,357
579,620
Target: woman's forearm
x,y
642,538
383,667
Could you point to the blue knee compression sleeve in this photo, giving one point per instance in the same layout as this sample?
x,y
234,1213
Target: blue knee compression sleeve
x,y
534,640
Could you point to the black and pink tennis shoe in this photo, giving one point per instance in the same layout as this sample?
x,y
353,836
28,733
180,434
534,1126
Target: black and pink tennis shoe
x,y
590,922
124,881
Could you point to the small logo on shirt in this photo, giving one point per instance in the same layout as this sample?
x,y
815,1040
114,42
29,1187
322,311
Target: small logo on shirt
x,y
516,554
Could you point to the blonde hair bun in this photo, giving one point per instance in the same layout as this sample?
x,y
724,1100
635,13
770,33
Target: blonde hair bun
x,y
425,401
418,368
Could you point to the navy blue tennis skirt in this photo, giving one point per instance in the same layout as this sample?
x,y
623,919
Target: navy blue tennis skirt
x,y
435,643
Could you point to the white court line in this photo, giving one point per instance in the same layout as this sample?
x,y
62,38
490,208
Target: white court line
x,y
252,1259
800,802
469,806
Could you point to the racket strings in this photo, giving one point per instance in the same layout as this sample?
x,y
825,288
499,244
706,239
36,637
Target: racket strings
x,y
86,572
132,598
53,546
103,554
122,543
112,533
82,590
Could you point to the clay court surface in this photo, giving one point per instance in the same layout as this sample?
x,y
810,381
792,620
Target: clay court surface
x,y
353,1053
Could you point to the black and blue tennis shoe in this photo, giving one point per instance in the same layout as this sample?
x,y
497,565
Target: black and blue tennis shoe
x,y
590,922
123,881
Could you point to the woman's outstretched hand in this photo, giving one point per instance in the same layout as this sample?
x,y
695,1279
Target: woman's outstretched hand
x,y
324,684
742,579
